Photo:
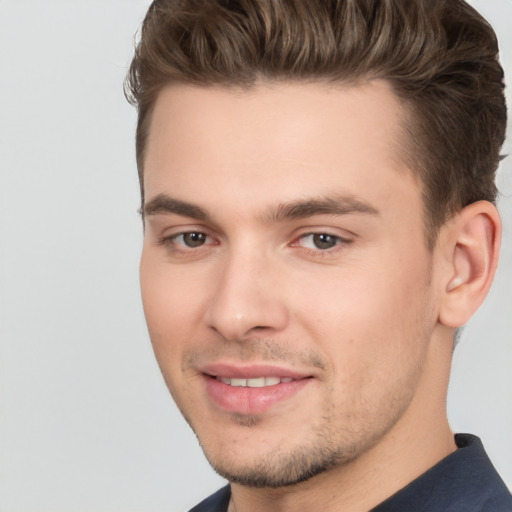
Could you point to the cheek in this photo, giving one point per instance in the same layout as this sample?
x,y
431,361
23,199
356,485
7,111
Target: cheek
x,y
170,305
370,335
370,320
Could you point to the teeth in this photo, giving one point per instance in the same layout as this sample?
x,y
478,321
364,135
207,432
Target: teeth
x,y
259,382
239,382
256,383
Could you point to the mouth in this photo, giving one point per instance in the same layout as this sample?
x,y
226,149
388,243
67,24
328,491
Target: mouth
x,y
258,382
252,389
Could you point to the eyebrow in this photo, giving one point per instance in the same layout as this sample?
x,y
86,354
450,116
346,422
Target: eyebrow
x,y
164,204
333,205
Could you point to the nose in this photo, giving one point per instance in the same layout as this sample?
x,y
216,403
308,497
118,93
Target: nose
x,y
248,298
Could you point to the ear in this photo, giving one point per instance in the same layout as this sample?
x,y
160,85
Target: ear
x,y
471,245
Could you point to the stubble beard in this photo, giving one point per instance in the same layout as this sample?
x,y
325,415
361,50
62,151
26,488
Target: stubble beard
x,y
290,469
332,442
326,450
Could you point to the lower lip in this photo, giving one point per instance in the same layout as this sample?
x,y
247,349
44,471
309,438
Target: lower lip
x,y
246,400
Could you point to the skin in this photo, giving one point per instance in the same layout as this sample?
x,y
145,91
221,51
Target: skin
x,y
338,288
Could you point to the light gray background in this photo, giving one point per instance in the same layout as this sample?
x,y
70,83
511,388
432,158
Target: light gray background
x,y
86,423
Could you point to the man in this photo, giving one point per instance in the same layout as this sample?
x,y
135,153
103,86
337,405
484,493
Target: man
x,y
317,184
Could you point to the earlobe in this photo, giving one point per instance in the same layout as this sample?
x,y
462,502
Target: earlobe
x,y
472,247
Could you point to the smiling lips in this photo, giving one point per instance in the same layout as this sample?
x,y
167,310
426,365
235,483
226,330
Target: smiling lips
x,y
258,382
251,390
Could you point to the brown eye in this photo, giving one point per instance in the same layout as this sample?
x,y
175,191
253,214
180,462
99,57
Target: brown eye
x,y
194,239
324,241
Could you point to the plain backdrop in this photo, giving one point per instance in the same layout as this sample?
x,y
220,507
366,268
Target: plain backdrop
x,y
86,423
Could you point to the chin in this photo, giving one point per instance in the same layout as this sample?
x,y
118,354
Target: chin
x,y
279,467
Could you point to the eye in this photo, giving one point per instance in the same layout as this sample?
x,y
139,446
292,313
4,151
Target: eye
x,y
192,239
320,241
187,241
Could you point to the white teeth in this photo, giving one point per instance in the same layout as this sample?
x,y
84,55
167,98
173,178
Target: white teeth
x,y
239,382
258,382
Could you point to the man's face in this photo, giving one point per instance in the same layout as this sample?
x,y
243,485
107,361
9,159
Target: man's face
x,y
285,277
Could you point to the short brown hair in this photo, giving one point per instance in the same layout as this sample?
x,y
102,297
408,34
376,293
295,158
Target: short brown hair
x,y
440,56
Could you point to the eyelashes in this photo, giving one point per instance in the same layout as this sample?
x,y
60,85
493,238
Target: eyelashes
x,y
187,242
191,239
313,243
321,241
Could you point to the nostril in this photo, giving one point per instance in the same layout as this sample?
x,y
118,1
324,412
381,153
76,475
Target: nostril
x,y
235,312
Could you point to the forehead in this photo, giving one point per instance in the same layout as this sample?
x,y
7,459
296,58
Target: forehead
x,y
276,141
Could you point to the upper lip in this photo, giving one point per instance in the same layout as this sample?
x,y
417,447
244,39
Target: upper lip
x,y
251,371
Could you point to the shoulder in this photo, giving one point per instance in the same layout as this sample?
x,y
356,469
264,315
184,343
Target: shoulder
x,y
217,502
477,478
465,481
